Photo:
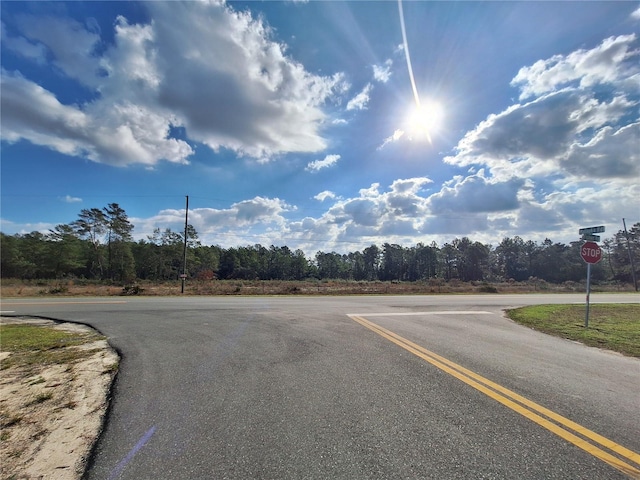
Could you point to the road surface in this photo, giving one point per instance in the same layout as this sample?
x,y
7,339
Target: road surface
x,y
356,388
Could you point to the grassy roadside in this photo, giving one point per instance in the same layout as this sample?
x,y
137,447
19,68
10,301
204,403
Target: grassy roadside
x,y
33,346
55,383
11,288
611,326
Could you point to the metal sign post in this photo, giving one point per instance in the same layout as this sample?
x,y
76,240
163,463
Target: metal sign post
x,y
590,253
586,315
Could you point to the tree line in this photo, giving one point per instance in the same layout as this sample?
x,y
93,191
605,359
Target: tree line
x,y
99,245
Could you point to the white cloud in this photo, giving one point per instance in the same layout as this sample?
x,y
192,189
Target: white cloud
x,y
610,153
24,228
361,100
370,216
362,211
202,66
233,86
382,73
542,129
318,165
405,214
70,199
580,125
69,43
563,158
22,46
575,140
484,209
563,213
246,218
325,195
132,63
33,113
397,135
476,194
260,209
614,59
220,76
636,14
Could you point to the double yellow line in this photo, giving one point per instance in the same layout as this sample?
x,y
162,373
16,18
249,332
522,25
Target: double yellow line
x,y
563,427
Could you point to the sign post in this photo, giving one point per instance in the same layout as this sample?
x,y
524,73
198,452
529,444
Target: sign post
x,y
590,253
586,315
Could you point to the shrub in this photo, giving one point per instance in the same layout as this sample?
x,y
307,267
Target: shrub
x,y
486,288
132,290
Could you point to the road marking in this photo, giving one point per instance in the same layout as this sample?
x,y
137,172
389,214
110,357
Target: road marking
x,y
519,404
410,314
64,303
2,312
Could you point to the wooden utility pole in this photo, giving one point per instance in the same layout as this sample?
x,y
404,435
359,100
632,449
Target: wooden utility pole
x,y
633,267
184,250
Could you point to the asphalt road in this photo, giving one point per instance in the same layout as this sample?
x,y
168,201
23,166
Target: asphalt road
x,y
354,388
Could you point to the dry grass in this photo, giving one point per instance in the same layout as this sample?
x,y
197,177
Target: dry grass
x,y
19,288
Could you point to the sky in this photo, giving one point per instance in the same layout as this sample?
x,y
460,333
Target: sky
x,y
323,125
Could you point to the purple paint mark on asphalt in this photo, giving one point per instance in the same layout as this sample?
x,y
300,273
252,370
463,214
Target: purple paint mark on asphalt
x,y
123,463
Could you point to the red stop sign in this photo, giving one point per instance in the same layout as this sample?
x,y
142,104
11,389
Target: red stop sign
x,y
591,252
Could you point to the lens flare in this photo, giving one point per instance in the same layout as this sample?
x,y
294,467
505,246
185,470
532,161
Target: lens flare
x,y
424,121
405,46
425,118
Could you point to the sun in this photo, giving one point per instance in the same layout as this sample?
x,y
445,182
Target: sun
x,y
424,121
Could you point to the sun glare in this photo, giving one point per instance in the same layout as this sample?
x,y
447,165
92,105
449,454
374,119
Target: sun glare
x,y
424,121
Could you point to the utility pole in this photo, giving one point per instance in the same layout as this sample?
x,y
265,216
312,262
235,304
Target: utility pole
x,y
633,267
184,251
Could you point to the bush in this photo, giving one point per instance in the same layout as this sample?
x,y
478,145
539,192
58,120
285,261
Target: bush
x,y
60,288
488,289
132,290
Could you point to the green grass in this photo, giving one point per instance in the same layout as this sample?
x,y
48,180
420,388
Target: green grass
x,y
32,345
611,326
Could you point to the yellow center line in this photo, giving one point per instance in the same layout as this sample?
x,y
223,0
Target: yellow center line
x,y
509,399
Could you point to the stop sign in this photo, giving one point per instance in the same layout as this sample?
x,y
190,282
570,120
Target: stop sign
x,y
591,252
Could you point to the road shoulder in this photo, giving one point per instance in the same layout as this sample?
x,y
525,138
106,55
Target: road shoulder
x,y
52,416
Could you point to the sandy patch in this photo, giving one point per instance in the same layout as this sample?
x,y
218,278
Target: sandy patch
x,y
52,416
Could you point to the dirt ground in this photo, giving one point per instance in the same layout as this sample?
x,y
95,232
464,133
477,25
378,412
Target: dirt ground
x,y
52,416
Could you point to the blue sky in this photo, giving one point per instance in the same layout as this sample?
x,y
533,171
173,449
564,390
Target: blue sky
x,y
300,123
